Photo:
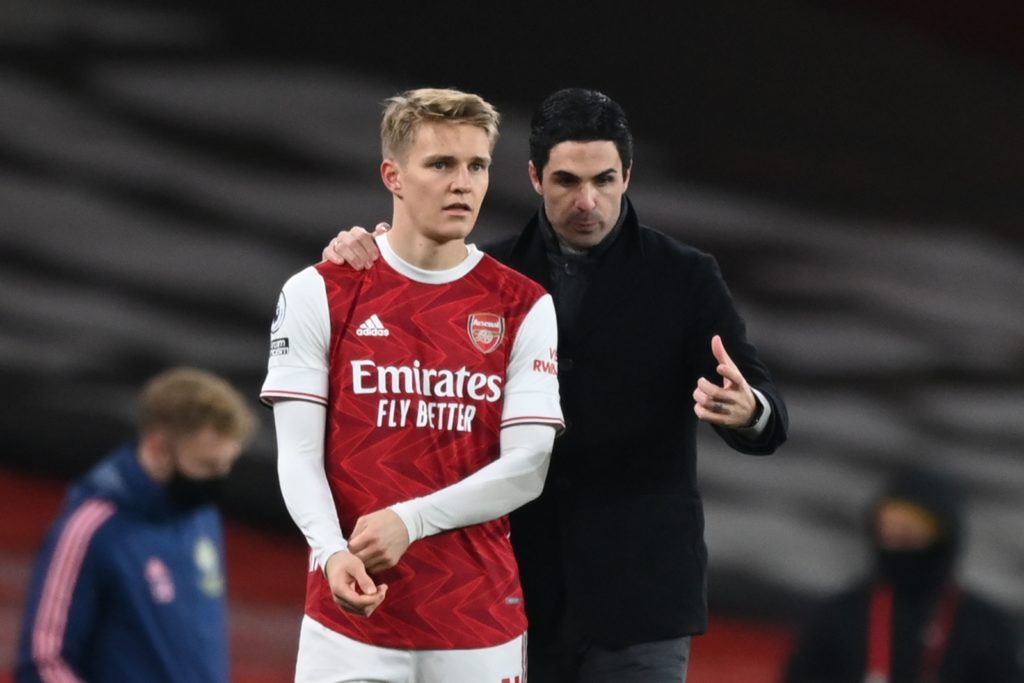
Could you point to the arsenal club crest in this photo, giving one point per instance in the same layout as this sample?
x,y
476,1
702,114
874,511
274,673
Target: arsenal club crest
x,y
486,331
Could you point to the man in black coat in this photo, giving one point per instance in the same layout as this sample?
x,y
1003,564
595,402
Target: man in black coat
x,y
910,620
612,554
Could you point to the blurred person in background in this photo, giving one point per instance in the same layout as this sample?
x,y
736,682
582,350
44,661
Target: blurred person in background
x,y
415,404
910,620
129,585
612,554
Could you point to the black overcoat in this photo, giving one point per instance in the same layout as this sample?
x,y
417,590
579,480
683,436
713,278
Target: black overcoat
x,y
617,535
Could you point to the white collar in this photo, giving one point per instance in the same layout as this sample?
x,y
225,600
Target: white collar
x,y
430,277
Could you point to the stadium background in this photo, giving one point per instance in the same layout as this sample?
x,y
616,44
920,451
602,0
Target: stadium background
x,y
856,168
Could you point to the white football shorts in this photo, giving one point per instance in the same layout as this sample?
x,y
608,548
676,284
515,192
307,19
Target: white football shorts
x,y
326,656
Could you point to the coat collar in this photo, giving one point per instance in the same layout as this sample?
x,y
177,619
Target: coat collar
x,y
613,281
121,478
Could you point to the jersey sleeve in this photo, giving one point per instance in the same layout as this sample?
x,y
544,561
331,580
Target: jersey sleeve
x,y
531,387
496,489
300,469
300,339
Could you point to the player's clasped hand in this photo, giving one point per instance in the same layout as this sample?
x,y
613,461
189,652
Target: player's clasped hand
x,y
379,539
351,586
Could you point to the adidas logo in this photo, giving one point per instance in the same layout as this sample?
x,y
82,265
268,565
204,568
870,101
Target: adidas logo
x,y
372,327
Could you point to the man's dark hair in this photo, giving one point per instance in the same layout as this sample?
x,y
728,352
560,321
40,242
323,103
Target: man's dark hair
x,y
578,115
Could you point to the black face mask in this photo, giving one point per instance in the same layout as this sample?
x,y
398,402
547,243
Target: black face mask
x,y
915,571
189,493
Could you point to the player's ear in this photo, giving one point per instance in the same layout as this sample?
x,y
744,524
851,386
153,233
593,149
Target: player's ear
x,y
155,449
158,441
534,177
626,176
391,174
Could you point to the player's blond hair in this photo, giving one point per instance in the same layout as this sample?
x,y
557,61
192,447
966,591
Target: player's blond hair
x,y
187,400
405,112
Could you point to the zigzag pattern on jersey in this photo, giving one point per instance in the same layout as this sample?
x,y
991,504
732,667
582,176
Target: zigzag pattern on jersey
x,y
457,589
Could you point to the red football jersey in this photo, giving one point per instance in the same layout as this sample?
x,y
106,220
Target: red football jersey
x,y
419,371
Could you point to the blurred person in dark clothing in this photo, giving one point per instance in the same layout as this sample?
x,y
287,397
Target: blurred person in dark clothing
x,y
612,554
911,620
129,585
